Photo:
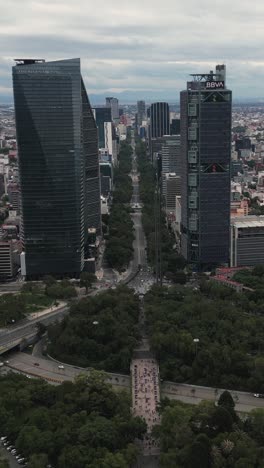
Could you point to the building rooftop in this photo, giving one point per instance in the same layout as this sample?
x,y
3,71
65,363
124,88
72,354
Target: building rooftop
x,y
248,222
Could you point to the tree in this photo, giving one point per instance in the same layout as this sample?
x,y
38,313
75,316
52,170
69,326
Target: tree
x,y
49,280
226,400
87,279
179,277
4,463
38,461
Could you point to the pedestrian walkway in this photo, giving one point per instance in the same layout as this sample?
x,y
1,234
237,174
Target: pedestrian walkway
x,y
146,398
46,311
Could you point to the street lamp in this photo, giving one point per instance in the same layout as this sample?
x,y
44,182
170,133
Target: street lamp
x,y
196,341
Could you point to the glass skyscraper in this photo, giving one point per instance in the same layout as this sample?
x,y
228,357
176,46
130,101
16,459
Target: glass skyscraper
x,y
102,115
159,119
58,166
206,112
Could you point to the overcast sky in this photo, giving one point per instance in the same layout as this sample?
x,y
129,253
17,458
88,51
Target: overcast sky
x,y
139,47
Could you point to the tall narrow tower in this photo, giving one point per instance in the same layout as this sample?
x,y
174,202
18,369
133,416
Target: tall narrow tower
x,y
159,119
114,106
206,112
58,166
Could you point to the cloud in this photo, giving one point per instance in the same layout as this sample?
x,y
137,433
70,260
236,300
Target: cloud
x,y
144,45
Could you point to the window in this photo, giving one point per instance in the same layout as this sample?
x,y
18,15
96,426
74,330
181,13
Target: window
x,y
193,201
192,156
192,180
192,133
193,224
192,110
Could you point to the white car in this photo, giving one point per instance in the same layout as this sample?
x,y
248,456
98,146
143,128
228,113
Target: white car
x,y
258,395
61,367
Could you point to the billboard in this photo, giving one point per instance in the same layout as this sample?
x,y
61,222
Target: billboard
x,y
214,84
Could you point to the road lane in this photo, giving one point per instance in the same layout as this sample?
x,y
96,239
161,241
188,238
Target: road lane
x,y
193,394
47,369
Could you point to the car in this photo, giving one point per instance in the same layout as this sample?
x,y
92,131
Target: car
x,y
6,362
28,376
36,364
259,395
20,460
3,439
11,447
61,366
6,443
13,452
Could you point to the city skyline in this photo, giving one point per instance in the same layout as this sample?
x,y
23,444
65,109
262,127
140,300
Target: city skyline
x,y
131,55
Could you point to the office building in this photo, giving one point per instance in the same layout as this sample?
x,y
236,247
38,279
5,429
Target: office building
x,y
111,141
159,119
106,174
175,127
9,258
247,241
102,115
14,196
172,189
170,153
112,103
206,111
141,112
58,164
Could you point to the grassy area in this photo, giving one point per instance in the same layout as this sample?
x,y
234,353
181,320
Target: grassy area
x,y
15,307
36,302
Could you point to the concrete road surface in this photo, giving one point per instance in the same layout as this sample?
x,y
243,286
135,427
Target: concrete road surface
x,y
12,335
34,366
7,455
193,394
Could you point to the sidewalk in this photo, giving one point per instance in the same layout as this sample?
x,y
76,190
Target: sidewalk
x,y
47,311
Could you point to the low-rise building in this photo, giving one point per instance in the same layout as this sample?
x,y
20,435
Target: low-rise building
x,y
247,241
7,264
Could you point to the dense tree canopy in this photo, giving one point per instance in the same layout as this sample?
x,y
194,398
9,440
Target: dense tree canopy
x,y
119,245
209,436
69,426
231,344
171,261
100,331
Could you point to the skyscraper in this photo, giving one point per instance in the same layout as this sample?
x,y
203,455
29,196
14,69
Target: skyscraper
x,y
58,165
206,111
159,119
141,110
170,158
113,104
102,115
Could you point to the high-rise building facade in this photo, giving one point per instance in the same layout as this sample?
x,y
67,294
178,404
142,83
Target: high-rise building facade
x,y
175,127
102,115
159,119
206,111
170,154
114,106
58,165
141,112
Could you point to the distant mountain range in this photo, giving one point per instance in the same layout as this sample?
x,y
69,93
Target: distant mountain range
x,y
131,97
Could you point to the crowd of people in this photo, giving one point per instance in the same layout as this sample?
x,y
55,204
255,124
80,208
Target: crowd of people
x,y
146,397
